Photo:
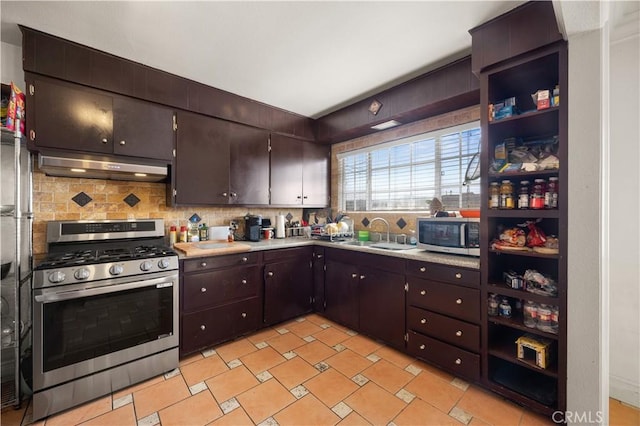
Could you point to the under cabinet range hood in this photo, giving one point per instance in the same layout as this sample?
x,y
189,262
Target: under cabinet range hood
x,y
115,168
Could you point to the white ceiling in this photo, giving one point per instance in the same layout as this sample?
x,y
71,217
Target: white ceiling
x,y
307,57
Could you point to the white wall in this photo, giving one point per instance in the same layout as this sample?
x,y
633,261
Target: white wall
x,y
11,65
624,227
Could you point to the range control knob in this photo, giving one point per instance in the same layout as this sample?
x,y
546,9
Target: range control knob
x,y
116,270
81,274
57,277
146,265
163,263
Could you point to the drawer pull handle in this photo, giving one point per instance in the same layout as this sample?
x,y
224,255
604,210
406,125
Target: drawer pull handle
x,y
244,315
202,327
423,321
459,333
104,140
244,281
458,275
458,361
244,259
354,275
203,264
458,301
123,142
423,269
362,277
270,273
422,347
423,292
203,289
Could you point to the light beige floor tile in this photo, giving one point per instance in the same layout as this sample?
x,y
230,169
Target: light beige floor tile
x,y
435,391
307,411
293,372
421,413
265,400
348,362
331,387
124,415
231,383
155,398
262,360
489,407
388,376
235,350
203,369
199,409
81,413
375,404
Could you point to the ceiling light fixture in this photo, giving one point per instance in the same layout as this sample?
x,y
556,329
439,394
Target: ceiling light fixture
x,y
140,174
386,125
78,170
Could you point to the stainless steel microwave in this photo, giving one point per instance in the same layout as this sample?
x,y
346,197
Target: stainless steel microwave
x,y
455,235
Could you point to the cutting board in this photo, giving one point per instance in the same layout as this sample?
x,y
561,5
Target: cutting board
x,y
214,247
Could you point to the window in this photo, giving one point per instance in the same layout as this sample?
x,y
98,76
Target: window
x,y
407,174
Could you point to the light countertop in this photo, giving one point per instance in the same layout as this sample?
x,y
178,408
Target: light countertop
x,y
412,254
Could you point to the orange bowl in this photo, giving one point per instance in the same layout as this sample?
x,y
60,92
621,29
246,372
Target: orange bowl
x,y
470,213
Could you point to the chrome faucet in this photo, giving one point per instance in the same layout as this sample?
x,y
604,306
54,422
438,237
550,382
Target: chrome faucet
x,y
385,222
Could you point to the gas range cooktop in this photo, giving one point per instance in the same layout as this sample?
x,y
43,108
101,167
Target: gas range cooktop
x,y
94,256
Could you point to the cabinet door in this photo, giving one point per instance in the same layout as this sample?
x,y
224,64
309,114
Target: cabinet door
x,y
318,279
286,170
67,117
382,306
288,289
249,165
341,293
315,175
202,160
142,129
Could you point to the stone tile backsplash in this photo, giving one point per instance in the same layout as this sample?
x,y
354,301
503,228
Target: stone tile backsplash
x,y
53,200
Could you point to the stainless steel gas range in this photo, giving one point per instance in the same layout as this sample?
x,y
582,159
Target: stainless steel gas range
x,y
105,311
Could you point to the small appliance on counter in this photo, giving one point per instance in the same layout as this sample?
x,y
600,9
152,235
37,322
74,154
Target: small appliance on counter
x,y
252,227
455,235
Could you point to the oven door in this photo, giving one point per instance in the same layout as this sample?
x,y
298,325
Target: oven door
x,y
81,329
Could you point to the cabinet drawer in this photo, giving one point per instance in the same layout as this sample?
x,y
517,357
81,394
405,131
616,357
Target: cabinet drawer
x,y
205,328
457,361
213,262
209,289
276,255
444,273
458,302
450,330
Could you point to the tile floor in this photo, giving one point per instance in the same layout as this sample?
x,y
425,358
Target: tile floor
x,y
309,371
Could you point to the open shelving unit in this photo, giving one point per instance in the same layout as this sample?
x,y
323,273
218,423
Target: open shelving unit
x,y
520,380
16,220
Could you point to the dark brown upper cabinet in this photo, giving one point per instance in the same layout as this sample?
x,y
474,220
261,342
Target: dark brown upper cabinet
x,y
220,163
70,117
299,172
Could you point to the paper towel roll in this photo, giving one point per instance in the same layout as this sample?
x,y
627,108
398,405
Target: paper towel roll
x,y
280,226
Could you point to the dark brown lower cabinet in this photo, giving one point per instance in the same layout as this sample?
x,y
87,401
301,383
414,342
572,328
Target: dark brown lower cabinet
x,y
341,293
382,313
221,298
458,361
288,284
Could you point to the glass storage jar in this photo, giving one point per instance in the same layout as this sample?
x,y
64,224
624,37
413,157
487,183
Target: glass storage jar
x,y
530,313
537,194
523,195
494,195
506,195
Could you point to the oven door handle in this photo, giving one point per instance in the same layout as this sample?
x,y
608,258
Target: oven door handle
x,y
57,296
